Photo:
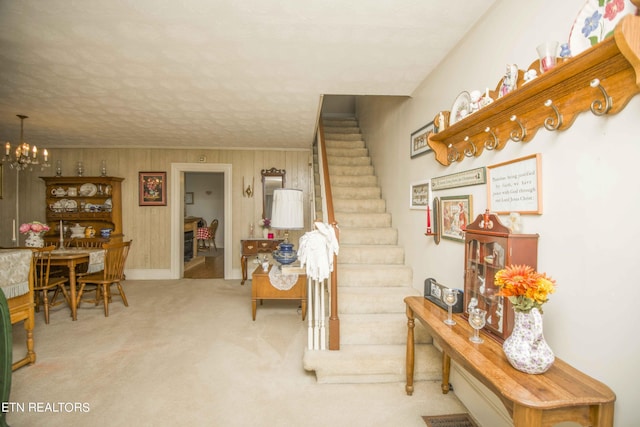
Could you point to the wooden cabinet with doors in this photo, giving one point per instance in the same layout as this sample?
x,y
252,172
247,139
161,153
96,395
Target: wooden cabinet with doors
x,y
94,201
490,247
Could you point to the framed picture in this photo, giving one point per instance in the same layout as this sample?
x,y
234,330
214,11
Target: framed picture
x,y
515,186
419,140
455,215
152,188
188,198
419,195
460,179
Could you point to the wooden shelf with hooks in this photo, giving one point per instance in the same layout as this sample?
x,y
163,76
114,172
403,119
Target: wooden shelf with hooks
x,y
602,79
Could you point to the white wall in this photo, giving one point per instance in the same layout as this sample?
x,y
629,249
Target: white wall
x,y
589,226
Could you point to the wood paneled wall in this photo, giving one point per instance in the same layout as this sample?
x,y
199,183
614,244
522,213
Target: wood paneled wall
x,y
149,227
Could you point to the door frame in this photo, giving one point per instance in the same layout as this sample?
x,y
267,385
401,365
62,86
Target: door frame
x,y
177,214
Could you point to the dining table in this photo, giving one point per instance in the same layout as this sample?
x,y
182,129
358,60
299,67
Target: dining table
x,y
72,257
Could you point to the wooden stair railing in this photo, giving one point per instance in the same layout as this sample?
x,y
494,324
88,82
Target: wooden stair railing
x,y
334,320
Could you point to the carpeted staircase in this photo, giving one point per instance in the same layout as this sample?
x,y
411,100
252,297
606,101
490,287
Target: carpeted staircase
x,y
372,277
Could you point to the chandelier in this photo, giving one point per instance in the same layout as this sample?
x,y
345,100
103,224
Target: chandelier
x,y
25,156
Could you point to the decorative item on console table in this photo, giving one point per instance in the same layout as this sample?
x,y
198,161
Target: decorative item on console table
x,y
489,247
433,291
526,289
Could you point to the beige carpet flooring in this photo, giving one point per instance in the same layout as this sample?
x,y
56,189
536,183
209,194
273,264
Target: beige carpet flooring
x,y
186,353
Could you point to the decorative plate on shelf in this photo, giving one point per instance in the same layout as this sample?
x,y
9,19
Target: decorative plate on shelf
x,y
88,190
595,23
71,206
461,108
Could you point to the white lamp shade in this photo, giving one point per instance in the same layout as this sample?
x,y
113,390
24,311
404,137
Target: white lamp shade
x,y
288,209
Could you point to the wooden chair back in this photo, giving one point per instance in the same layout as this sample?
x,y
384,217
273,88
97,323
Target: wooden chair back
x,y
115,257
90,242
41,266
213,228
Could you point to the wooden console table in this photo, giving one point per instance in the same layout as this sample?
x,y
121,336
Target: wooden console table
x,y
252,247
261,288
561,394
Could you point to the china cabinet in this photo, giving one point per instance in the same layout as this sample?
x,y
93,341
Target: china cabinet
x,y
601,79
86,200
489,247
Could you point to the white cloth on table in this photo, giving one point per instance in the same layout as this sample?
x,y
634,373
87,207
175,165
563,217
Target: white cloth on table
x,y
317,249
280,281
96,261
15,265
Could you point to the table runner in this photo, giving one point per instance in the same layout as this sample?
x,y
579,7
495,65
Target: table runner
x,y
15,265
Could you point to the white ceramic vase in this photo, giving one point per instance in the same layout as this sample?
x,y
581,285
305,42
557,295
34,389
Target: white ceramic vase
x,y
34,240
525,348
265,233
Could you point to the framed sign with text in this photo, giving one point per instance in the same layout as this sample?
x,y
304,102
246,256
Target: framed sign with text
x,y
515,186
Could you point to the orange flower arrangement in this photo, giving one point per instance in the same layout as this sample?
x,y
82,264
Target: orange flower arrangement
x,y
525,287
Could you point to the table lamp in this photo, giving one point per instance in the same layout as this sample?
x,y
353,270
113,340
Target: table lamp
x,y
287,214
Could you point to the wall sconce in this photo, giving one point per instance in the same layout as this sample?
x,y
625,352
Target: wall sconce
x,y
248,190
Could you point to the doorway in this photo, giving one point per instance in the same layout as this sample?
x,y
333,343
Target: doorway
x,y
177,197
205,200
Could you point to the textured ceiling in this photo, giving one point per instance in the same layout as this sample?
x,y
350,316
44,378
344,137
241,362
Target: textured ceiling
x,y
208,73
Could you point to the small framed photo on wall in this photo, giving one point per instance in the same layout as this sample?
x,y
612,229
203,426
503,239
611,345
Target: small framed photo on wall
x,y
152,188
419,195
419,140
188,198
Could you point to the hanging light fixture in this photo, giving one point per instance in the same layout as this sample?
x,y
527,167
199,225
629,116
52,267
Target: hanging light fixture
x,y
25,156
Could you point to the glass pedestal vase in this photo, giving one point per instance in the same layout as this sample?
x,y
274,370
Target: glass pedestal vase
x,y
34,240
526,349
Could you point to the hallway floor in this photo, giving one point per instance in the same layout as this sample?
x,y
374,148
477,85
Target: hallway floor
x,y
212,268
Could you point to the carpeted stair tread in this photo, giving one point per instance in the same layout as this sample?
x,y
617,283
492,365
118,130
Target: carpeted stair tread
x,y
363,206
378,328
363,275
347,152
348,161
354,192
371,254
350,170
368,236
346,219
373,364
354,180
371,300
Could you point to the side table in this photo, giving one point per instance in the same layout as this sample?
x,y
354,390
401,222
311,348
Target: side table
x,y
261,288
251,247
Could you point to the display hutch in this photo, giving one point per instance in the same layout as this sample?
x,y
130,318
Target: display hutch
x,y
489,247
94,201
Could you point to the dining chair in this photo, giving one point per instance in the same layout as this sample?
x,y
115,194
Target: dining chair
x,y
6,355
43,282
202,233
115,257
212,234
82,269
